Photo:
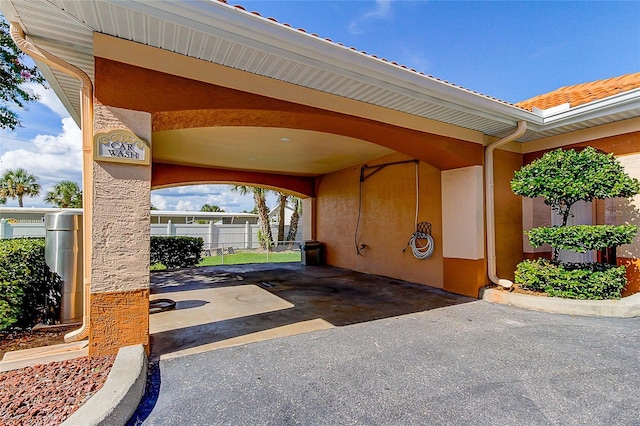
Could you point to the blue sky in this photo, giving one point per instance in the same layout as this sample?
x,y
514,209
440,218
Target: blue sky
x,y
509,50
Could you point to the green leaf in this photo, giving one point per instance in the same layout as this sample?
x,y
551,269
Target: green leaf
x,y
582,238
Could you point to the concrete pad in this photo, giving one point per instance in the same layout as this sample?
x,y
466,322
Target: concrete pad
x,y
627,307
198,307
223,306
24,358
284,331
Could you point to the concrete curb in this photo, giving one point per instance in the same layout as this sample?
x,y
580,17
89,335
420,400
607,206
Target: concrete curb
x,y
627,307
118,399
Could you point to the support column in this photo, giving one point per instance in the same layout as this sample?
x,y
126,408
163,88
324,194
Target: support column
x,y
247,235
6,230
463,230
308,218
119,299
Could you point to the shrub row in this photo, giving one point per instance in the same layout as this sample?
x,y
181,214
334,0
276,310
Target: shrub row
x,y
29,292
176,252
594,281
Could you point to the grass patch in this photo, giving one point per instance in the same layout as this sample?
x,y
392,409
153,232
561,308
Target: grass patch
x,y
243,257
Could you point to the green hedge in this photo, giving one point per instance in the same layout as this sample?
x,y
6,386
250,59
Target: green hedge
x,y
594,281
29,292
582,238
176,252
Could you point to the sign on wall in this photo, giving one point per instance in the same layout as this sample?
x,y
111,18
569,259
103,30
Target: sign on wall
x,y
120,146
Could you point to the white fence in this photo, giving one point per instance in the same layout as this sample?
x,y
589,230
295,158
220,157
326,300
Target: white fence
x,y
214,235
20,230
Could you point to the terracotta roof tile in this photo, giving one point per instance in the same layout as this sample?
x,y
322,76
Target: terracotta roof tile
x,y
579,94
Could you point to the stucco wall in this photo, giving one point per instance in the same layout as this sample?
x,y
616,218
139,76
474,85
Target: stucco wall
x,y
508,214
119,299
387,220
121,209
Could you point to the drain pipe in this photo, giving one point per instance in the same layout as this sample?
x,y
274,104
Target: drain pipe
x,y
86,125
490,207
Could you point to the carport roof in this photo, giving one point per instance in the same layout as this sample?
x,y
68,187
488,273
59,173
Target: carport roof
x,y
216,32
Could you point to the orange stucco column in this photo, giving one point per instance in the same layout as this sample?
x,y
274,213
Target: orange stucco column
x,y
119,298
464,266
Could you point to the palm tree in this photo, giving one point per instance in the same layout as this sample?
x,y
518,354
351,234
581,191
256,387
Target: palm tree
x,y
65,194
260,200
18,183
211,208
296,203
281,214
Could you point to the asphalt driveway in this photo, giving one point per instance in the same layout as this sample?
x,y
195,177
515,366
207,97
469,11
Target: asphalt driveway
x,y
470,363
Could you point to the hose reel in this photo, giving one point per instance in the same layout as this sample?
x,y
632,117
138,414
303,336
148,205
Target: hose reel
x,y
419,249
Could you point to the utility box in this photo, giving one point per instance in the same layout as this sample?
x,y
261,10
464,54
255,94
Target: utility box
x,y
63,255
312,253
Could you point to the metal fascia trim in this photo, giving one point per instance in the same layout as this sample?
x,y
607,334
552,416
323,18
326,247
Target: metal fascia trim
x,y
250,30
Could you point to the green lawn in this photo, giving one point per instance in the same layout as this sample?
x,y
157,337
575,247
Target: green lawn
x,y
243,257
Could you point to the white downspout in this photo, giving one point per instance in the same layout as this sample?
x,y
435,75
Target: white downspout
x,y
490,200
86,125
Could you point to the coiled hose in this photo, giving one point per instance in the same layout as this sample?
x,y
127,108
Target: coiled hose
x,y
421,251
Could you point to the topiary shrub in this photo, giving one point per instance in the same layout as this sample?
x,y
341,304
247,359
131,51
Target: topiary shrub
x,y
595,281
582,238
564,177
29,292
176,252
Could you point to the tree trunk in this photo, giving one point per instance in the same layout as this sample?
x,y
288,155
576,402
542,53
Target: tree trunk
x,y
263,218
295,219
283,206
293,226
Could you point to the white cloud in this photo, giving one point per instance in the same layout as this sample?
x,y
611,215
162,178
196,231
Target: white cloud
x,y
186,205
193,197
49,99
50,158
382,10
159,202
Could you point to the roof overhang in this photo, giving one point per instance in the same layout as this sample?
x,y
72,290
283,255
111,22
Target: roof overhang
x,y
218,33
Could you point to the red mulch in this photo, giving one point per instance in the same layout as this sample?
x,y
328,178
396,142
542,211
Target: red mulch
x,y
47,394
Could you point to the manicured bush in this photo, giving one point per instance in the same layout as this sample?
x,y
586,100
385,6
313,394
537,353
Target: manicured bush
x,y
582,238
563,178
176,252
29,292
595,281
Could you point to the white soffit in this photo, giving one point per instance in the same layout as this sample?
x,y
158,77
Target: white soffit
x,y
222,34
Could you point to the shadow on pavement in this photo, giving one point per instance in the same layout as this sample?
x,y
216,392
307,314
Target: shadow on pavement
x,y
334,296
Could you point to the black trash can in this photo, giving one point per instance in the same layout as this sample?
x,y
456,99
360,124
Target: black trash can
x,y
312,253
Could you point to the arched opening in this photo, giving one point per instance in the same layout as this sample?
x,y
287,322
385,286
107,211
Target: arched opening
x,y
238,223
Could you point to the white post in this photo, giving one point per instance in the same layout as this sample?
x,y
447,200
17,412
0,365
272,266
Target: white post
x,y
4,229
247,235
212,229
169,230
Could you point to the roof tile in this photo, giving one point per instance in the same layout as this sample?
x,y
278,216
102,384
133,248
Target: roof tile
x,y
580,94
